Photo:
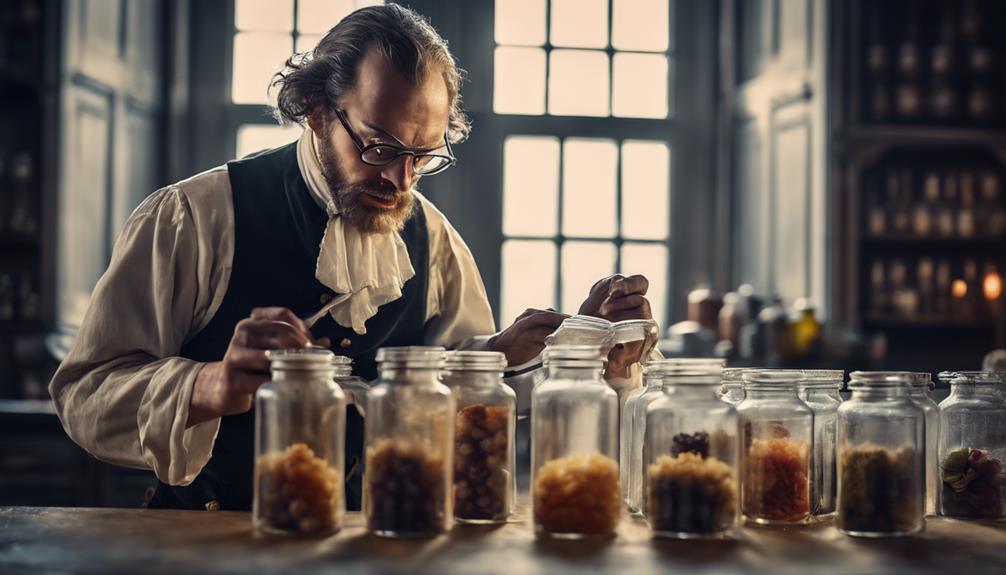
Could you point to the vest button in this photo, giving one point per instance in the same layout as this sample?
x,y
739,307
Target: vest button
x,y
213,505
346,342
325,297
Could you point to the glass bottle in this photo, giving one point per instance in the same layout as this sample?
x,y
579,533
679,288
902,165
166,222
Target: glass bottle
x,y
409,433
574,446
819,390
484,454
299,433
922,384
776,433
633,427
732,388
881,439
972,446
690,451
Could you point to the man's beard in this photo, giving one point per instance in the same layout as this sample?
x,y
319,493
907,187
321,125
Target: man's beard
x,y
368,219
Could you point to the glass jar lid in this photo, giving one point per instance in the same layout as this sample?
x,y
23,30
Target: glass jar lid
x,y
475,361
880,379
412,356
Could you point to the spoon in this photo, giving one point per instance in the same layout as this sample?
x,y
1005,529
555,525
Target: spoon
x,y
312,319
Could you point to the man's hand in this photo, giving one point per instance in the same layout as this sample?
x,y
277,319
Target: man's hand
x,y
618,298
526,337
228,387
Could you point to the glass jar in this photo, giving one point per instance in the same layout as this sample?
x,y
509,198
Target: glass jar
x,y
690,452
921,385
409,433
776,436
484,455
299,450
819,390
632,433
881,457
972,446
574,446
732,388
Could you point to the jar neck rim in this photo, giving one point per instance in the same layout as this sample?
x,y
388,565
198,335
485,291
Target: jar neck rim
x,y
475,361
411,357
972,378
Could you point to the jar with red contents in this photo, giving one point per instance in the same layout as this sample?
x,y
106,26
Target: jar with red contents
x,y
776,440
484,455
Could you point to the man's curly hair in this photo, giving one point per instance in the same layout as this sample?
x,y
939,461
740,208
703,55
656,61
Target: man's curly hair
x,y
318,78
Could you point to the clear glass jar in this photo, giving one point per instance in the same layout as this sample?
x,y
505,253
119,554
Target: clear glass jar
x,y
484,455
922,384
630,449
574,446
690,452
881,457
409,433
972,446
299,451
776,436
732,388
819,390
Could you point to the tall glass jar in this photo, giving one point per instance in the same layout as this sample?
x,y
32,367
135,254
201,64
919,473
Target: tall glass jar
x,y
630,449
922,384
972,446
484,455
732,388
881,462
819,390
409,445
776,436
690,452
574,446
299,433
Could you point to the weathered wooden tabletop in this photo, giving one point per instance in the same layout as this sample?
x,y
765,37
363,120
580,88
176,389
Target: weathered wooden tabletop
x,y
110,541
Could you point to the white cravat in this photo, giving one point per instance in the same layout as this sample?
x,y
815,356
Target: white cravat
x,y
373,267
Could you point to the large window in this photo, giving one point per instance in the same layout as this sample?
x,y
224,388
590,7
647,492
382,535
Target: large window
x,y
266,33
583,197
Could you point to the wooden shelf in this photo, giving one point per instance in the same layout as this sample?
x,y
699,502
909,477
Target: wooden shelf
x,y
893,321
916,241
882,134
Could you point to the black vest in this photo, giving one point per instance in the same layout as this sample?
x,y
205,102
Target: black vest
x,y
277,230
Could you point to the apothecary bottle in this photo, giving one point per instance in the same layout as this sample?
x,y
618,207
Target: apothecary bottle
x,y
574,446
776,439
633,425
881,457
972,446
691,475
484,455
409,445
922,385
820,391
299,449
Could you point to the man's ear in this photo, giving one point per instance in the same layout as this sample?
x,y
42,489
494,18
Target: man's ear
x,y
316,121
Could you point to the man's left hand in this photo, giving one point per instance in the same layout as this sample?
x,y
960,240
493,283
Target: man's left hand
x,y
618,298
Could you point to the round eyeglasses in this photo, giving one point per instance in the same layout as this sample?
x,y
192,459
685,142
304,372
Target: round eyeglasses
x,y
424,162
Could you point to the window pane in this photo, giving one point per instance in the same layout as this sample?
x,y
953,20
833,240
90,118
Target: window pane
x,y
578,83
530,186
271,15
588,188
307,42
580,23
255,138
646,171
520,22
640,25
651,261
528,277
583,263
640,86
257,56
519,83
319,16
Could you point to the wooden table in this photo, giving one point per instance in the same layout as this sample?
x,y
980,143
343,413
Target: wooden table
x,y
111,541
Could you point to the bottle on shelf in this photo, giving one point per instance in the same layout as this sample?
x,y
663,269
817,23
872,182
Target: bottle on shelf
x,y
925,275
982,100
992,207
943,70
966,214
908,95
878,67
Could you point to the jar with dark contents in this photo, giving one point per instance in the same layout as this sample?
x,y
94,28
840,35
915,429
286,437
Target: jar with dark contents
x,y
691,479
972,446
299,450
408,471
881,457
776,441
484,454
574,447
820,391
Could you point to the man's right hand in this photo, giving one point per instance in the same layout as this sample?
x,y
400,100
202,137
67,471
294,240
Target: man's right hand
x,y
228,387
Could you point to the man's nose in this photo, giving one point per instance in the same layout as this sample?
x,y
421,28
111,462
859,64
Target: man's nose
x,y
401,173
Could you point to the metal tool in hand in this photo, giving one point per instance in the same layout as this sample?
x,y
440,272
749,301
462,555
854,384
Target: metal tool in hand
x,y
313,318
